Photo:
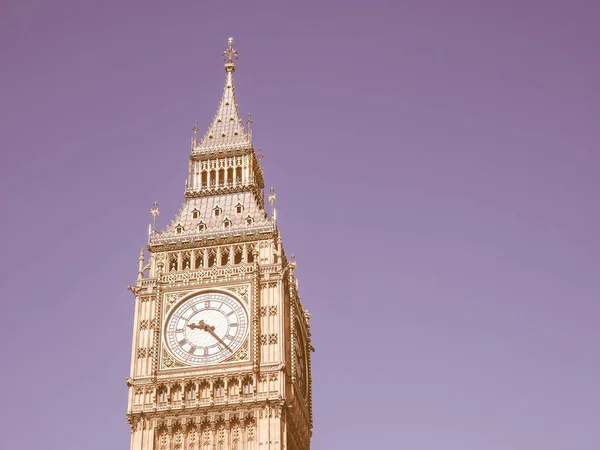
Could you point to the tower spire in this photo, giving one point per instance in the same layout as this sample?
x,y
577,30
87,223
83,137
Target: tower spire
x,y
226,131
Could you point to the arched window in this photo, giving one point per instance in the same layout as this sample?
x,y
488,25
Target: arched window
x,y
190,391
199,257
238,253
227,224
201,226
224,256
247,386
239,208
249,220
186,260
179,229
195,214
218,211
173,258
212,258
219,390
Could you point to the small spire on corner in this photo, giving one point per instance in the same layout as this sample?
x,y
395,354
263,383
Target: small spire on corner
x,y
272,198
155,212
141,265
195,130
249,125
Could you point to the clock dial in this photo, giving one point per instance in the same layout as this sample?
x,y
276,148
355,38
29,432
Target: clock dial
x,y
299,350
206,328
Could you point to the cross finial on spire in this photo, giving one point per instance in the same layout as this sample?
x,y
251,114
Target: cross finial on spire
x,y
229,55
155,212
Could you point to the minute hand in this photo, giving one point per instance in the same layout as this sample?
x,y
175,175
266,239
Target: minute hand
x,y
209,329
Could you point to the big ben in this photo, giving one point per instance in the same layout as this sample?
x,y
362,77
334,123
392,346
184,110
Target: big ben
x,y
221,341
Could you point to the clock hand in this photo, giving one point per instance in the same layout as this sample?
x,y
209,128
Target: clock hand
x,y
211,331
200,325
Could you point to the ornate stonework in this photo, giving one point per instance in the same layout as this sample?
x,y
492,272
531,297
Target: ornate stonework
x,y
221,344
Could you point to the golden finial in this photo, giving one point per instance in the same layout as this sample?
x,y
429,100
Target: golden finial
x,y
229,55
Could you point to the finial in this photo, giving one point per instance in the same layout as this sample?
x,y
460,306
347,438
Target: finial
x,y
272,198
195,130
249,125
229,55
141,265
155,212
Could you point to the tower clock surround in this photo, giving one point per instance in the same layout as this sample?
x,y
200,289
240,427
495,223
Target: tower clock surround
x,y
206,327
221,340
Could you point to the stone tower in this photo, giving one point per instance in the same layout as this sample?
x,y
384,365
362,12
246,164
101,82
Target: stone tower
x,y
221,341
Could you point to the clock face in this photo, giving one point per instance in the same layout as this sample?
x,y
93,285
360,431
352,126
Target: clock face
x,y
300,360
206,328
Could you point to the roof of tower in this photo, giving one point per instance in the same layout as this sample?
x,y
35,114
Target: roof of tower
x,y
226,130
219,215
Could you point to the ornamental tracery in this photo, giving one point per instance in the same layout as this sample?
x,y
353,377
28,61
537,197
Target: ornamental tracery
x,y
201,407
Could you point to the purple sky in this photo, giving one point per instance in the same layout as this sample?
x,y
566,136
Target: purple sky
x,y
437,173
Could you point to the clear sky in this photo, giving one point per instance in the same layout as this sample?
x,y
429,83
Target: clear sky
x,y
437,173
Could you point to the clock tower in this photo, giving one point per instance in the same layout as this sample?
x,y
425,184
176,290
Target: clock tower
x,y
221,341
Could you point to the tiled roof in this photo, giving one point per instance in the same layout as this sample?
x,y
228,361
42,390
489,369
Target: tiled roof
x,y
205,206
226,130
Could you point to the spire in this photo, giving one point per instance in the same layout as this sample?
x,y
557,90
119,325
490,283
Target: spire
x,y
226,130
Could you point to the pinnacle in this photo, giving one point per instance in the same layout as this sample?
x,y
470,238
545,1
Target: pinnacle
x,y
226,130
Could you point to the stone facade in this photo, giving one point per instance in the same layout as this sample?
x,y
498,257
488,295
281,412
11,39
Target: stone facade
x,y
202,379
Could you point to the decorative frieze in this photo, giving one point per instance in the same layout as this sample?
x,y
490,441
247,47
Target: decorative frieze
x,y
144,352
268,339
